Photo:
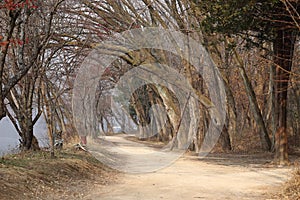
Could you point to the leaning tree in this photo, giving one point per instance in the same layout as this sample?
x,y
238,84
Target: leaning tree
x,y
275,21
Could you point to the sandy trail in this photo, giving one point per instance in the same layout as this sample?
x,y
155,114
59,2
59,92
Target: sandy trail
x,y
229,177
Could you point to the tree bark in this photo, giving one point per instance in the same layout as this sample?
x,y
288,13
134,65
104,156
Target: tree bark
x,y
231,118
283,55
141,114
270,113
263,133
173,112
2,110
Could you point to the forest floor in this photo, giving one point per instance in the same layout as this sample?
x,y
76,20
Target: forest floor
x,y
78,175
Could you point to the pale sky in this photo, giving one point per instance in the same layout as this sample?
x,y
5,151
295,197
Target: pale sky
x,y
9,138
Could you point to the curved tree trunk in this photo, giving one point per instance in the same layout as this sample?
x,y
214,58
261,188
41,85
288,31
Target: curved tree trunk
x,y
173,112
160,123
141,114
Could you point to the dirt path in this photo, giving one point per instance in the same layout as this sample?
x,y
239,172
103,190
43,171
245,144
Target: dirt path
x,y
215,177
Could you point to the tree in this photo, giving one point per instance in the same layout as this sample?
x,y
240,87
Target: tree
x,y
38,45
221,26
273,20
26,38
11,14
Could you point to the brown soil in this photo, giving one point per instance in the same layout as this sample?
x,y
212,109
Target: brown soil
x,y
78,175
34,175
229,177
218,176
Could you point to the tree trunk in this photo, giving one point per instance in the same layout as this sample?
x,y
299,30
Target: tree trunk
x,y
173,112
142,116
296,94
29,142
225,139
270,113
2,110
283,55
263,133
160,123
28,132
231,116
109,127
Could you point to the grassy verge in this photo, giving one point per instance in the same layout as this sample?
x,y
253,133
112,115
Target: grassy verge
x,y
35,175
292,187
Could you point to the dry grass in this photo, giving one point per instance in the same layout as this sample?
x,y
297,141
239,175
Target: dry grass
x,y
34,175
292,187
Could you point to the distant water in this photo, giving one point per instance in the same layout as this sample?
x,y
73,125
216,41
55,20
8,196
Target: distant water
x,y
9,138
